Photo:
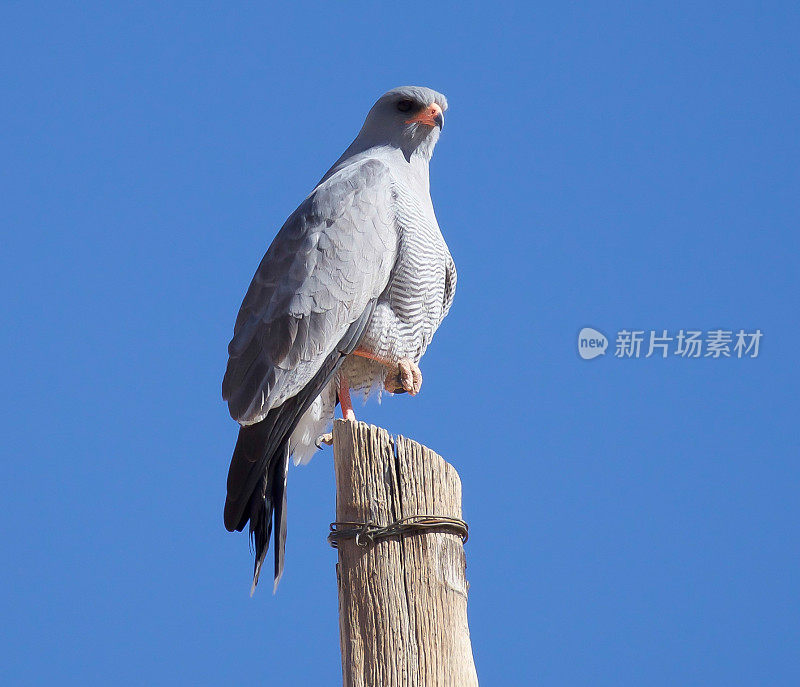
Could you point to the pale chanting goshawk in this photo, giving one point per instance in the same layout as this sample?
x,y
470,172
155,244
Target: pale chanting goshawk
x,y
348,296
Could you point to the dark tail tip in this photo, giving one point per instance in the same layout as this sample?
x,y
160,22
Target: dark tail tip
x,y
279,505
260,530
231,523
268,507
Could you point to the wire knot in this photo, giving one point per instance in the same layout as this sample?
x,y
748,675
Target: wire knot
x,y
368,533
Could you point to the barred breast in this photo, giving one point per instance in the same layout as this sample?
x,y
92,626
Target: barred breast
x,y
416,289
416,298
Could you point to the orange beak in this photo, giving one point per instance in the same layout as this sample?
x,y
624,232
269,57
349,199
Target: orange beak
x,y
430,116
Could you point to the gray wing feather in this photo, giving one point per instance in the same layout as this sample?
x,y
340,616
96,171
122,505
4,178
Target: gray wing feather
x,y
329,260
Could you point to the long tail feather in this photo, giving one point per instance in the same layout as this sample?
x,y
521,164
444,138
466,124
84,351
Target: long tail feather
x,y
258,470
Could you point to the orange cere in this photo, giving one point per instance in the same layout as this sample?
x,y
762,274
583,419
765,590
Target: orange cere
x,y
428,116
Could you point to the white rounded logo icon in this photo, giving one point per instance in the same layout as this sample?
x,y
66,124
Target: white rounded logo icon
x,y
591,343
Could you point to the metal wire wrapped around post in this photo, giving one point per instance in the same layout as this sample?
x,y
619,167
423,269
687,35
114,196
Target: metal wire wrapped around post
x,y
402,585
366,533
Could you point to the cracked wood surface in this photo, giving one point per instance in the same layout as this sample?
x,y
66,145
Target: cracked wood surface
x,y
403,601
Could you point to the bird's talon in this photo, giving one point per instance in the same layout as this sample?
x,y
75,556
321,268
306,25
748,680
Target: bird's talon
x,y
406,378
326,439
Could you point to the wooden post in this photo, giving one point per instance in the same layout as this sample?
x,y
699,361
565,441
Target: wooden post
x,y
403,600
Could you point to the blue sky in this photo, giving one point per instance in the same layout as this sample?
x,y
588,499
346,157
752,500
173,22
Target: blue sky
x,y
633,521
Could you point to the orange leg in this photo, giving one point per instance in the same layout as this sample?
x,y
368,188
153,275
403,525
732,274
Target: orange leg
x,y
344,399
372,356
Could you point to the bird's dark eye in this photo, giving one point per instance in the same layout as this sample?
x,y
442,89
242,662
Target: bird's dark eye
x,y
405,105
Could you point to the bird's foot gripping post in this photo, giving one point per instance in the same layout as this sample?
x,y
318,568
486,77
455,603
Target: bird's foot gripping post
x,y
401,569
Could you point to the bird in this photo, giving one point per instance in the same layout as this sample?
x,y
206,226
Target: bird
x,y
347,298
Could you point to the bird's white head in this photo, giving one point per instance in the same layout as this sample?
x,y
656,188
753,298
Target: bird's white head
x,y
409,117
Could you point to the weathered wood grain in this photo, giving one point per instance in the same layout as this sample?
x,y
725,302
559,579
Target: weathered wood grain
x,y
403,601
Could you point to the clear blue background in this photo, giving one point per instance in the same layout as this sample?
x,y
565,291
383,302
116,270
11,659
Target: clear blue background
x,y
634,522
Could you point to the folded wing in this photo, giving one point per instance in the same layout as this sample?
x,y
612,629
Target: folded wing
x,y
330,260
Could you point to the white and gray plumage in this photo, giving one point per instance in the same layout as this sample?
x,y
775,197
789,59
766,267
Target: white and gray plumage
x,y
348,296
